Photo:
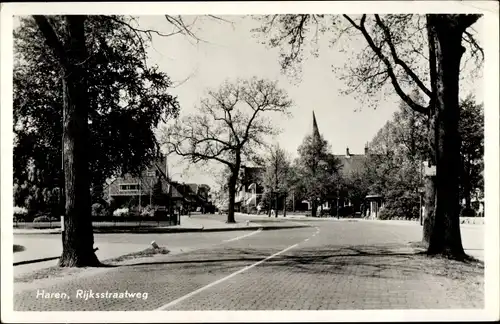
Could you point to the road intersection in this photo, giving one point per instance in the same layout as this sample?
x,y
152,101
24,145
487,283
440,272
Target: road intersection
x,y
328,265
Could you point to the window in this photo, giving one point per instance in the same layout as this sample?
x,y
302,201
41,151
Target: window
x,y
129,187
151,174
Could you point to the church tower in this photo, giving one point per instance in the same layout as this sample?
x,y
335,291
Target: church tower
x,y
315,130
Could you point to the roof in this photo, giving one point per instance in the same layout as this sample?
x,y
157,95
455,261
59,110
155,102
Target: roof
x,y
355,163
193,187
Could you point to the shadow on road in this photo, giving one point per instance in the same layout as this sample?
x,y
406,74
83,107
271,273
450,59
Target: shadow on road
x,y
385,261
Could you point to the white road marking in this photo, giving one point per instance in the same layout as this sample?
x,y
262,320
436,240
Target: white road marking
x,y
306,239
172,303
242,236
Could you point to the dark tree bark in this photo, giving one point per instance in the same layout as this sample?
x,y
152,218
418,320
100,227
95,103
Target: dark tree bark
x,y
428,221
232,196
78,239
233,178
276,196
284,204
270,204
314,208
445,36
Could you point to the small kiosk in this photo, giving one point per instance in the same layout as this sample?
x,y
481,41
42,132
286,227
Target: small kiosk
x,y
375,202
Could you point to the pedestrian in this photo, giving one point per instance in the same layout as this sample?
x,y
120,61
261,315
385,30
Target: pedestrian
x,y
272,212
259,207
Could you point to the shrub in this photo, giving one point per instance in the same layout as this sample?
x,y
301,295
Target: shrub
x,y
98,209
468,212
41,219
121,212
20,213
149,211
387,213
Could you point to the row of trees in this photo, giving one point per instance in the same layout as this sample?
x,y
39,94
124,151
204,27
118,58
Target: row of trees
x,y
397,45
90,73
312,176
403,51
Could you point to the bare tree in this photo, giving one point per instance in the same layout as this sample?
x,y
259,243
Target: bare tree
x,y
228,127
396,47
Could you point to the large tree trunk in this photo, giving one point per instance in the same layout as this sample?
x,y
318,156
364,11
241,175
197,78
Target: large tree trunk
x,y
233,178
314,208
270,203
78,239
276,196
429,213
446,35
284,204
232,195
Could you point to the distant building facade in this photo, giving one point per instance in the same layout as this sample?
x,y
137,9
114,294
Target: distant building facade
x,y
350,164
138,191
250,188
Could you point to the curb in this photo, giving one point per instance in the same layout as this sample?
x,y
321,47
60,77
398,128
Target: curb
x,y
40,260
139,230
35,261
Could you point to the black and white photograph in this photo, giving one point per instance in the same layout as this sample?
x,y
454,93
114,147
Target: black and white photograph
x,y
250,161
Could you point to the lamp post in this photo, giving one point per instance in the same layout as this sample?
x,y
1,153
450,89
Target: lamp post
x,y
151,192
338,217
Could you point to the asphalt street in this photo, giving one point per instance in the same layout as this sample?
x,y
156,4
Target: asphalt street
x,y
330,265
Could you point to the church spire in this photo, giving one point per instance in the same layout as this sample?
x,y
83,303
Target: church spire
x,y
315,127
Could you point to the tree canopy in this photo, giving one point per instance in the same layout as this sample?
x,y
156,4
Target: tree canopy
x,y
127,98
317,170
228,127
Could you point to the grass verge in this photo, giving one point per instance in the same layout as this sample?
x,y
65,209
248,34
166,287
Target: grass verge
x,y
18,248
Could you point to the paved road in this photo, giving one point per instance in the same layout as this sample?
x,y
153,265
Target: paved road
x,y
331,265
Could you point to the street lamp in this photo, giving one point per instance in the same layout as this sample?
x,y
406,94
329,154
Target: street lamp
x,y
338,217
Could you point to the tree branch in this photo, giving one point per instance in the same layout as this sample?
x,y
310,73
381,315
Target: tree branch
x,y
396,58
145,31
51,38
361,27
469,38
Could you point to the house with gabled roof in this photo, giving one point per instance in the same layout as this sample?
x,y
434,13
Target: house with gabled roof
x,y
138,191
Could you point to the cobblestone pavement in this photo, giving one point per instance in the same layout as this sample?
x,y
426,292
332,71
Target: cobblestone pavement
x,y
336,265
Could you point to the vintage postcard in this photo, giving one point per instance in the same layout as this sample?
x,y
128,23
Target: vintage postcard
x,y
250,161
